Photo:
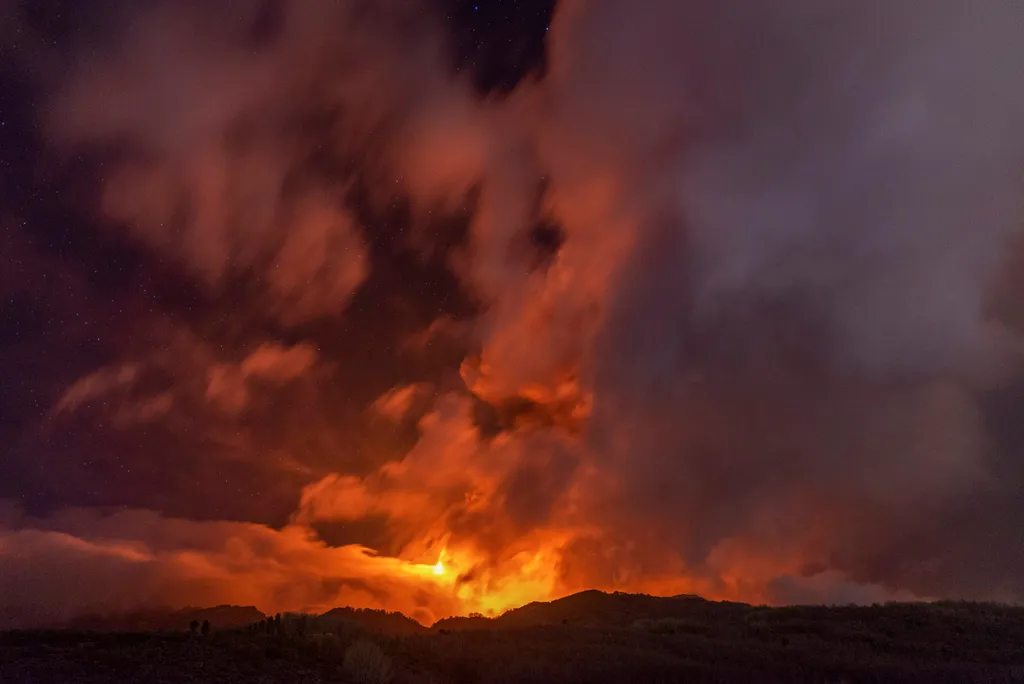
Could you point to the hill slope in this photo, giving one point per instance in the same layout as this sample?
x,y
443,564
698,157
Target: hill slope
x,y
597,609
587,638
158,620
374,621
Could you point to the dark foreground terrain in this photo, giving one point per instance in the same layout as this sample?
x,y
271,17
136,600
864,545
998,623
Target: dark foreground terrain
x,y
588,637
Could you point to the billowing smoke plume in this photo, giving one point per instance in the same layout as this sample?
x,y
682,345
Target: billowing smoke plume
x,y
768,351
797,355
234,140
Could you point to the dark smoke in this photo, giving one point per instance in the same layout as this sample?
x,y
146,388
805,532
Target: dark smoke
x,y
799,354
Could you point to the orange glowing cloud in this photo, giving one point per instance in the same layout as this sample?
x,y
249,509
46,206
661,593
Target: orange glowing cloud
x,y
189,563
228,385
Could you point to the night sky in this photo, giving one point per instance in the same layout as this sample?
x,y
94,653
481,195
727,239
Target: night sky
x,y
301,302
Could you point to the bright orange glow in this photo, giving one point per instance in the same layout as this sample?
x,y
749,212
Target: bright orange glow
x,y
456,502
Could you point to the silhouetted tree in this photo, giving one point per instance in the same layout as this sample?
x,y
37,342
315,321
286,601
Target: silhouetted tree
x,y
206,627
193,626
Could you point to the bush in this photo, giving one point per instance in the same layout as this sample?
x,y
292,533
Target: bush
x,y
365,663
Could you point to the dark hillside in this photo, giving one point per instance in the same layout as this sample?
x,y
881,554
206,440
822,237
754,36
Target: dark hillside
x,y
220,617
587,638
373,621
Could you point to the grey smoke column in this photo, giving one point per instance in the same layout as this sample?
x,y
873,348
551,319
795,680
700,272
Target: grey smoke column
x,y
799,354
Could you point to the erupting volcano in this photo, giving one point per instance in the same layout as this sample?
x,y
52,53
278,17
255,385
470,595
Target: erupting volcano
x,y
445,307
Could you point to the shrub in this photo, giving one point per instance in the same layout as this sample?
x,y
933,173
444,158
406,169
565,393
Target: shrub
x,y
365,663
206,627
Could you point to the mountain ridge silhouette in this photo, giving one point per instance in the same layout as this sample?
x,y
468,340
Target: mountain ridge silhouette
x,y
586,608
